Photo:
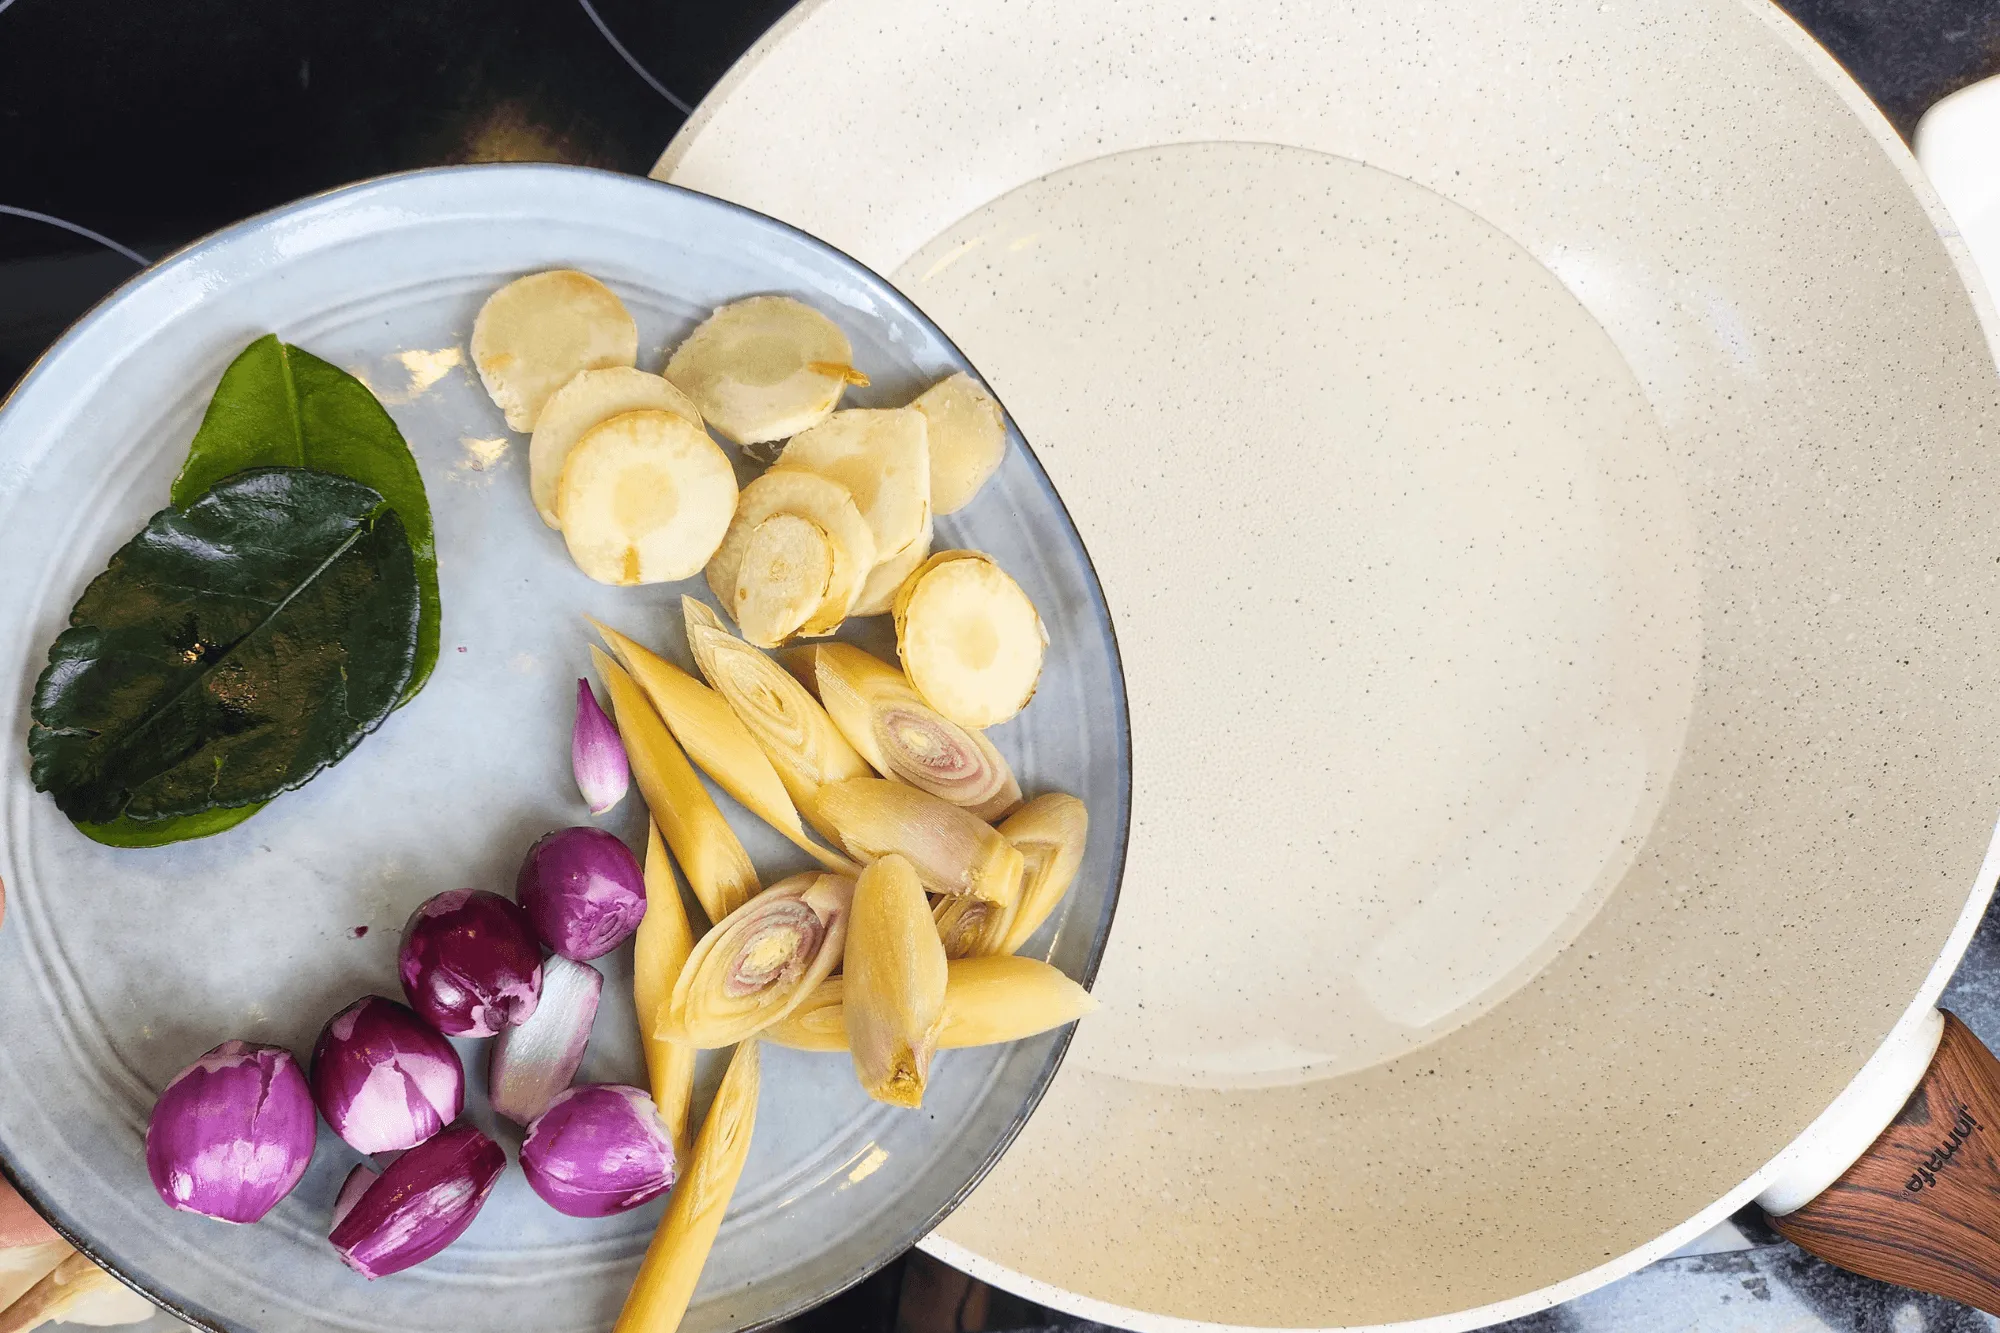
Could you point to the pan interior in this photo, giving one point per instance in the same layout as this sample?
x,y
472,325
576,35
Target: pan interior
x,y
1429,545
1696,175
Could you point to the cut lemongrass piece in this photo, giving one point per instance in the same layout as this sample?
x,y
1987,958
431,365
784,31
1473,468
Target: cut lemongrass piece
x,y
75,1291
536,333
829,505
880,456
23,1265
760,961
818,1022
659,951
895,970
987,1001
720,745
786,570
903,737
764,368
645,498
1050,831
971,927
673,1263
971,641
878,591
1004,998
590,398
717,867
794,731
967,437
952,850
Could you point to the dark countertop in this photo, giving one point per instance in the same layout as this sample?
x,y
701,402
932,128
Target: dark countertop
x,y
128,130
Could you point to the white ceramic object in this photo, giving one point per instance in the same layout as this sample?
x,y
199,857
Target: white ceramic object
x,y
119,967
1958,143
1538,458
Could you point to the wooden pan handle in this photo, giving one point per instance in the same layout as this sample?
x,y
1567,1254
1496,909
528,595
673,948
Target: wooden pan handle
x,y
1921,1208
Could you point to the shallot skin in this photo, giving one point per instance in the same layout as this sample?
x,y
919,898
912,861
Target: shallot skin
x,y
597,756
423,1202
384,1079
470,963
599,1149
232,1133
583,890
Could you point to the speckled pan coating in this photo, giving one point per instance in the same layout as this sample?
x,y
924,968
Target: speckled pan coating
x,y
1758,413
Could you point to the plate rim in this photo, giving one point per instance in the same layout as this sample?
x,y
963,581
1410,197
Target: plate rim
x,y
1094,955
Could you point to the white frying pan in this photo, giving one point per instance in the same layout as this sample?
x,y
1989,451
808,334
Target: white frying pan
x,y
1541,460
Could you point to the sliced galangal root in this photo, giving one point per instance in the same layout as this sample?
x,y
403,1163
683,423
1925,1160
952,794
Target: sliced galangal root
x,y
878,594
970,639
883,459
830,507
787,566
591,397
967,436
764,368
645,498
899,604
533,335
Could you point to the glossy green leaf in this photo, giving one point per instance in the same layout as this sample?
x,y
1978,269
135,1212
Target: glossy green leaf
x,y
279,406
231,651
126,831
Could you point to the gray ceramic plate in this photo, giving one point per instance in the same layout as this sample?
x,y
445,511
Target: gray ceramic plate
x,y
118,967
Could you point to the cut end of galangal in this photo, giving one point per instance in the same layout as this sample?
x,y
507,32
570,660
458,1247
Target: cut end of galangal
x,y
536,333
645,498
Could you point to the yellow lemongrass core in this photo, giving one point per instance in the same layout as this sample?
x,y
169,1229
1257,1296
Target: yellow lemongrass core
x,y
965,923
776,950
921,745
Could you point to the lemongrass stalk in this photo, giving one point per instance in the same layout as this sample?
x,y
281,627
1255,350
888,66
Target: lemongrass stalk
x,y
953,850
1005,997
895,972
715,737
660,950
718,742
987,1001
902,737
673,1263
716,865
794,732
1050,831
971,927
760,961
75,1290
22,1266
819,1022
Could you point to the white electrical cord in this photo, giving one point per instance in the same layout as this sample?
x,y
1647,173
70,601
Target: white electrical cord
x,y
85,232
